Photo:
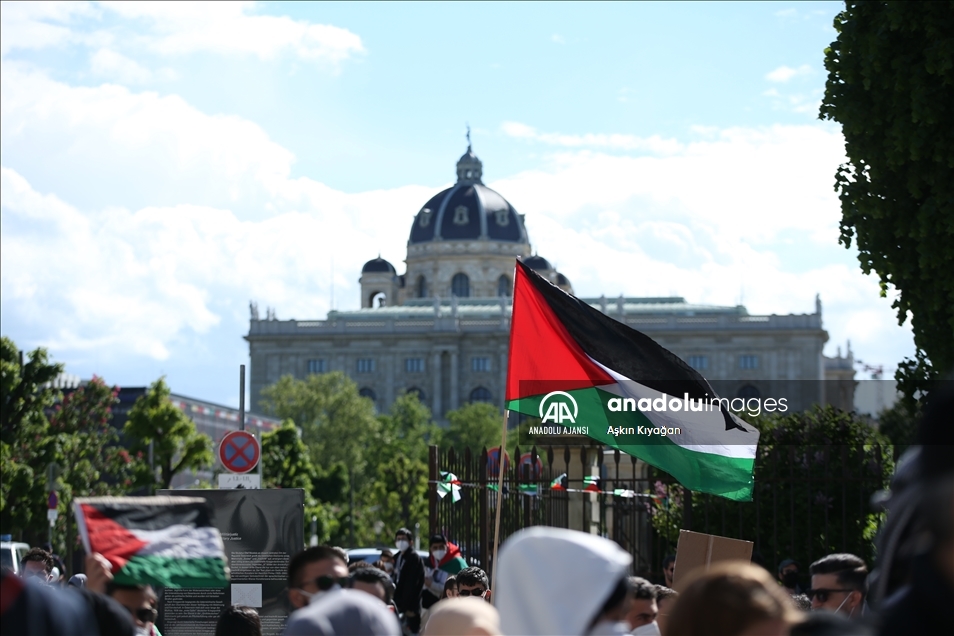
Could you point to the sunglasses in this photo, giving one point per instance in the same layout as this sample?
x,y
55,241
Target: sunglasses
x,y
325,583
147,614
478,593
823,594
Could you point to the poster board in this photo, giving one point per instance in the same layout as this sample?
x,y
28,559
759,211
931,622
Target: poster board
x,y
261,531
696,550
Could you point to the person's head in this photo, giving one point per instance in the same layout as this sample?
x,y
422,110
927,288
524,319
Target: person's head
x,y
669,567
314,571
463,617
373,581
77,580
802,602
438,546
450,588
402,539
665,599
473,582
839,583
342,553
788,573
387,560
358,565
238,620
140,600
617,605
643,609
731,598
37,564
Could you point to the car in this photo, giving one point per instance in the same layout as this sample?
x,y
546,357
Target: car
x,y
11,553
373,554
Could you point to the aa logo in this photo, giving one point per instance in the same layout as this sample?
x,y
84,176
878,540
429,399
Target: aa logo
x,y
558,407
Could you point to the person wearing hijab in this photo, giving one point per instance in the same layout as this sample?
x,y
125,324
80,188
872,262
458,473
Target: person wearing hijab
x,y
463,617
554,581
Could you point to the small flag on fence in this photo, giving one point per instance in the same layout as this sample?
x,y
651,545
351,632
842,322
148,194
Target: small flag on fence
x,y
592,484
620,492
560,483
449,485
167,541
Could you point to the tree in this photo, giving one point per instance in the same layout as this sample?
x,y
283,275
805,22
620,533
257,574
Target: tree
x,y
899,424
890,85
177,445
24,451
475,426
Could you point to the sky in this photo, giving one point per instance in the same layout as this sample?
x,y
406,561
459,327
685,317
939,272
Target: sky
x,y
164,164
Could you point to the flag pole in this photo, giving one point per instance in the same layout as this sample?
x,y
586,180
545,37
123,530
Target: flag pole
x,y
500,478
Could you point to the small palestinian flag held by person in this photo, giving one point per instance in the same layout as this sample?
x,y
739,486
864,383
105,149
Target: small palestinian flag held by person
x,y
560,483
449,485
591,484
584,373
166,541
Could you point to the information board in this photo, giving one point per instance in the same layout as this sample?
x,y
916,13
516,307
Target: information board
x,y
261,530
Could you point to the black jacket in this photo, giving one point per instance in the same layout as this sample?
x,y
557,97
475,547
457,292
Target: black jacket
x,y
925,606
409,578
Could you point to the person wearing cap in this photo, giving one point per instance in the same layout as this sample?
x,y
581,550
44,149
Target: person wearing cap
x,y
788,576
444,561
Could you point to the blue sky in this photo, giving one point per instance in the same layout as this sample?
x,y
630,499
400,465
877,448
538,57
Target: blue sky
x,y
165,163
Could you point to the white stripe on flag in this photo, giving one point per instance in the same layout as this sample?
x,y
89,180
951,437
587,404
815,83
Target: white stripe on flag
x,y
181,542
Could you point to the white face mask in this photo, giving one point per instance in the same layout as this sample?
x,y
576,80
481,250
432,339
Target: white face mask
x,y
388,566
314,596
842,604
649,629
402,545
439,554
143,631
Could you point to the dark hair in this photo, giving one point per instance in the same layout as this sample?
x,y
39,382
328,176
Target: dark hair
x,y
309,555
113,587
359,565
473,576
342,553
404,531
438,538
663,592
372,574
642,588
669,558
238,620
387,553
449,583
616,598
40,556
849,569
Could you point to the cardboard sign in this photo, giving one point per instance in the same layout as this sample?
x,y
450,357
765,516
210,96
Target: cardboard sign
x,y
697,550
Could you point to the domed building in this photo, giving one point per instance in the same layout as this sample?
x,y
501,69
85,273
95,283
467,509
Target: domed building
x,y
441,328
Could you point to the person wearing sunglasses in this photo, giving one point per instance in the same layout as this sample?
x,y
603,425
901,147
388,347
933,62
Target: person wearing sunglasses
x,y
140,601
473,582
313,572
839,584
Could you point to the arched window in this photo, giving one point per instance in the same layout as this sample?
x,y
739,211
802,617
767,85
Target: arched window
x,y
368,393
503,286
421,287
748,391
460,285
419,393
481,394
378,299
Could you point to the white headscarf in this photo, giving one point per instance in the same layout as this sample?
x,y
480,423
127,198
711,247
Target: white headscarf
x,y
553,581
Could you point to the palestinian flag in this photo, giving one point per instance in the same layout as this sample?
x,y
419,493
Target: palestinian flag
x,y
559,483
449,485
622,492
166,541
591,484
579,370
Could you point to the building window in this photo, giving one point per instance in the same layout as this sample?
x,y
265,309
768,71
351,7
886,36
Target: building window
x,y
480,363
421,287
414,365
699,363
503,286
419,393
748,391
481,394
748,362
365,365
368,393
317,366
460,286
378,299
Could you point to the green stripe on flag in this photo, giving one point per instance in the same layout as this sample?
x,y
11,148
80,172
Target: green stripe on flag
x,y
173,572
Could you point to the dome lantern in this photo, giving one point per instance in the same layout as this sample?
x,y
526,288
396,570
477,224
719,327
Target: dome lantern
x,y
469,168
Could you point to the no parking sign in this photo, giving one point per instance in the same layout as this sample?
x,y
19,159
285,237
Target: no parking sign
x,y
239,451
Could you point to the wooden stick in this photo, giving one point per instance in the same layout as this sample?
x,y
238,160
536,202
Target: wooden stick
x,y
500,478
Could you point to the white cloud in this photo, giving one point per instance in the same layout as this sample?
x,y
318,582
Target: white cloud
x,y
785,73
614,141
116,66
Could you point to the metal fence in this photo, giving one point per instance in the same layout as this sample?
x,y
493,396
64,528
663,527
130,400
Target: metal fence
x,y
808,502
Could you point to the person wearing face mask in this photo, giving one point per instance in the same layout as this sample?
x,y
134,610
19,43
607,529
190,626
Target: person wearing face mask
x,y
409,580
644,609
444,561
788,576
839,584
313,572
387,562
37,565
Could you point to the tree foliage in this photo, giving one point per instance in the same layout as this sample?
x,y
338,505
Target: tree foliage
x,y
177,445
891,85
476,426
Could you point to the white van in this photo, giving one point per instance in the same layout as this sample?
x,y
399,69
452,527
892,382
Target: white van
x,y
11,553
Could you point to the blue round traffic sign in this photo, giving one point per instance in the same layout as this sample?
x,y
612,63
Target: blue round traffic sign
x,y
239,451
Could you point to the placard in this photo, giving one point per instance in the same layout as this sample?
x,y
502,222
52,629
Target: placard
x,y
698,550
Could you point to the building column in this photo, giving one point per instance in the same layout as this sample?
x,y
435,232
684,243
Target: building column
x,y
436,376
390,361
454,385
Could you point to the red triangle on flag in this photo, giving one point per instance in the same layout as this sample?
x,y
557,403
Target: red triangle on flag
x,y
113,541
